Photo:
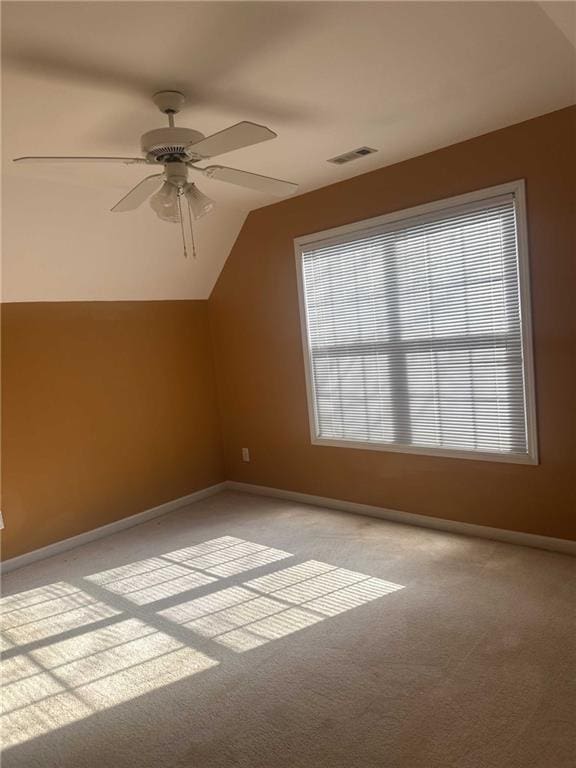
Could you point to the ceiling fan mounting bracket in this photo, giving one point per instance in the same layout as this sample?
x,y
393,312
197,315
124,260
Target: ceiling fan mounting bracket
x,y
169,102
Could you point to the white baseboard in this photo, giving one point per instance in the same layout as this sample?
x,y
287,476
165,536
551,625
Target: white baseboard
x,y
107,530
452,526
393,515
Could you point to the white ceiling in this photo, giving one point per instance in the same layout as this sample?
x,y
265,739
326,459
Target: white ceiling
x,y
404,77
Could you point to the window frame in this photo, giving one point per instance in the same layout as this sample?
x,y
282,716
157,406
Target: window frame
x,y
388,222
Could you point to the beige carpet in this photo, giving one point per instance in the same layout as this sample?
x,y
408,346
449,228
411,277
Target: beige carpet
x,y
254,633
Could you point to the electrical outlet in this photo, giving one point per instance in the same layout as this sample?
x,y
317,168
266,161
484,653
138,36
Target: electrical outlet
x,y
245,454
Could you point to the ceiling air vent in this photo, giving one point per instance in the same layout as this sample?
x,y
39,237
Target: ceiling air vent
x,y
353,155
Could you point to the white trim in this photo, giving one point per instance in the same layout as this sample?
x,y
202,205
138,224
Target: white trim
x,y
107,530
446,453
406,518
376,223
409,518
516,190
526,319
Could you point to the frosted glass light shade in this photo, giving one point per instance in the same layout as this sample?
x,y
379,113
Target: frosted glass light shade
x,y
199,203
165,203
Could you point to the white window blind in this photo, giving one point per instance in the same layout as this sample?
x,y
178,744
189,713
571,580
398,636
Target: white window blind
x,y
414,332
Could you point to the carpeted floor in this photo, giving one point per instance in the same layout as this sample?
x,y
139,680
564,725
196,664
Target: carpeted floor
x,y
253,633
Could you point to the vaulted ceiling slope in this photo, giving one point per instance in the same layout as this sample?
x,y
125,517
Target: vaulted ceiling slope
x,y
402,77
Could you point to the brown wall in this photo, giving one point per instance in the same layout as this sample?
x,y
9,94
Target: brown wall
x,y
254,311
108,409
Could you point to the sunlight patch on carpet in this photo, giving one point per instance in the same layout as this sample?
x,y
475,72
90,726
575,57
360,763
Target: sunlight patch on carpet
x,y
264,609
71,679
72,650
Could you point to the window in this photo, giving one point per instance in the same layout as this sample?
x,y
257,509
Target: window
x,y
416,330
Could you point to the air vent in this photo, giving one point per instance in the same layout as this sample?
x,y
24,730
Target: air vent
x,y
347,157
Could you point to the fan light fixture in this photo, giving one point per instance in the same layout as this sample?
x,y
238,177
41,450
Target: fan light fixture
x,y
172,197
165,203
198,202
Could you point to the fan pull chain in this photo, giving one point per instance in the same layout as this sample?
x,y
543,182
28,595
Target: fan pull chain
x,y
182,225
191,229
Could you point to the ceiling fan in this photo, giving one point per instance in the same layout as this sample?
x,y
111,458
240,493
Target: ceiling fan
x,y
179,150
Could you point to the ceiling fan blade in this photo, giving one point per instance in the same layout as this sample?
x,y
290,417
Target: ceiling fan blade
x,y
139,193
125,160
251,180
237,136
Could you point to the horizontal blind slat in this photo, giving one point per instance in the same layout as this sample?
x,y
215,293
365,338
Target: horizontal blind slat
x,y
414,333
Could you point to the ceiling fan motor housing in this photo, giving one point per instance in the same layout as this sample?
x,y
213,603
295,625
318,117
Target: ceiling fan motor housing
x,y
168,145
